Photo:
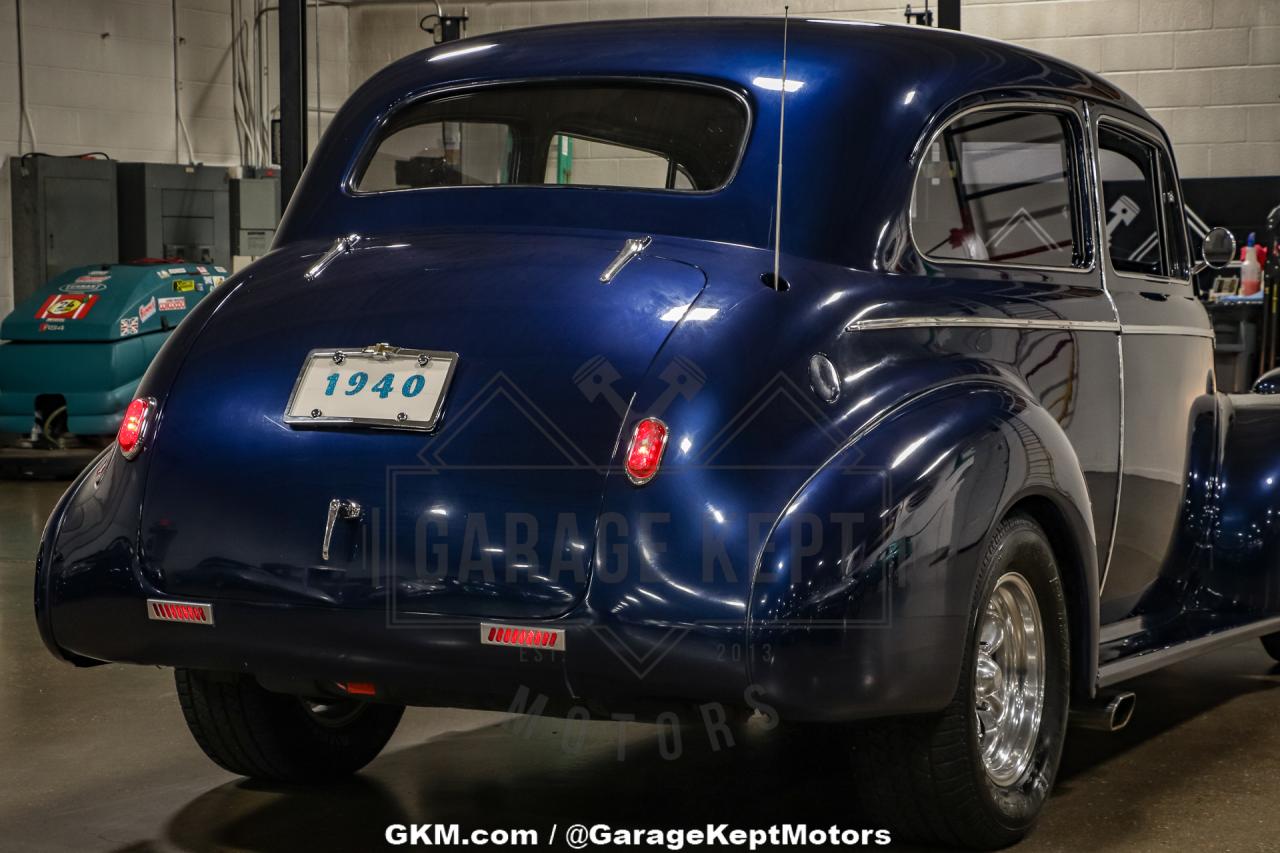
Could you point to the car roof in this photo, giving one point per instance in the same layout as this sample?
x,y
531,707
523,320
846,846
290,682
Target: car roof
x,y
694,46
860,97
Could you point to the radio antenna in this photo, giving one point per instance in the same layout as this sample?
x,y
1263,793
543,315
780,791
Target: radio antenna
x,y
782,124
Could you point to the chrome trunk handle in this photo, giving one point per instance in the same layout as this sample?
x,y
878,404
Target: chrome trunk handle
x,y
338,509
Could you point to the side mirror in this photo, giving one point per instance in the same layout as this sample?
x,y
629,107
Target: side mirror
x,y
1218,250
1267,383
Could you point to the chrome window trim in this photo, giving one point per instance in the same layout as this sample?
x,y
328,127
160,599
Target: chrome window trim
x,y
1081,191
367,146
1164,150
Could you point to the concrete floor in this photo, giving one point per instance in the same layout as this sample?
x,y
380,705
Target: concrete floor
x,y
100,759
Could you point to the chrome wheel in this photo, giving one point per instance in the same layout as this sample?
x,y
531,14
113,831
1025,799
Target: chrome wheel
x,y
1008,684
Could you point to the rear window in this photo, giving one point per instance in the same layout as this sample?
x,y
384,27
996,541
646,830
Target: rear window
x,y
677,138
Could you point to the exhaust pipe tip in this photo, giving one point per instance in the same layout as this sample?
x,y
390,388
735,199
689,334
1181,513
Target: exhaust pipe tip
x,y
1107,713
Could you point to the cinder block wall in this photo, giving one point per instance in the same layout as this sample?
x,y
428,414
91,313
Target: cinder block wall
x,y
99,72
1209,70
99,77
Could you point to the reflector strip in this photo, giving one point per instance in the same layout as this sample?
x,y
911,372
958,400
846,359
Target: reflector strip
x,y
551,639
180,611
359,688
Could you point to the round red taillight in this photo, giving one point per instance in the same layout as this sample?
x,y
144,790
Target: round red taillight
x,y
133,429
644,455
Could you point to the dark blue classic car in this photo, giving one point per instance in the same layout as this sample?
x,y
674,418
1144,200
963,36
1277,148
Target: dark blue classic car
x,y
524,412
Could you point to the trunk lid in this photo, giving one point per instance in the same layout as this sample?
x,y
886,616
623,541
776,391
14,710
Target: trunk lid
x,y
493,514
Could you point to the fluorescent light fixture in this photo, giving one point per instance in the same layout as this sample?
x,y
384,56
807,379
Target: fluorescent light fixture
x,y
774,84
462,51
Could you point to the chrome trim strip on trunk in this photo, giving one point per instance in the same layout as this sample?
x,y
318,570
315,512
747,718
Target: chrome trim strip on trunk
x,y
1131,667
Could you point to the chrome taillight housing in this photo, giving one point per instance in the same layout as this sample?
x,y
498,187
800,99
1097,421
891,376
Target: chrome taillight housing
x,y
136,425
644,454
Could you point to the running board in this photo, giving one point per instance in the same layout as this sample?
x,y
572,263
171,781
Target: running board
x,y
1132,667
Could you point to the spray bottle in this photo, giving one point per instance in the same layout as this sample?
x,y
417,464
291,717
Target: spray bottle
x,y
1251,267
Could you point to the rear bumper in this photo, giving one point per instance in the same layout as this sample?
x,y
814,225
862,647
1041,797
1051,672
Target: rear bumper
x,y
430,663
91,606
442,664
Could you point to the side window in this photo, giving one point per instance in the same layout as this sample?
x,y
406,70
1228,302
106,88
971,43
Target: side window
x,y
1146,232
996,186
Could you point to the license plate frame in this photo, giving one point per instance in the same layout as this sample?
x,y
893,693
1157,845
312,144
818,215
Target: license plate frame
x,y
421,362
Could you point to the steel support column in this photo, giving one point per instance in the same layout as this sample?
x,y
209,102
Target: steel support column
x,y
293,95
949,14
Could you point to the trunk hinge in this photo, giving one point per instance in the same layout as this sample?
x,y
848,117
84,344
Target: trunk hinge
x,y
340,247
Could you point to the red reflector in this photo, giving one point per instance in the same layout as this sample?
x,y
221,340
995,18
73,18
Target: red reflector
x,y
359,688
506,635
645,453
179,611
133,429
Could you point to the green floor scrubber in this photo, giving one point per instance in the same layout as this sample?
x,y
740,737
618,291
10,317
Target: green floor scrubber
x,y
74,351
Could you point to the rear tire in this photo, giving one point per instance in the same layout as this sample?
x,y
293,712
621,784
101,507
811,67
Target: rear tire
x,y
1271,643
926,778
251,731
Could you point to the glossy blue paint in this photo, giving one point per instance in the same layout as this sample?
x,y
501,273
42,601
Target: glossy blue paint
x,y
821,554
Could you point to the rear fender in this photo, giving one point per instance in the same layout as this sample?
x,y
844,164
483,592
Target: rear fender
x,y
864,593
1246,533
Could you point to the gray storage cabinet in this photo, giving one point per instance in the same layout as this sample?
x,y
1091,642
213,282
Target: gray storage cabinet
x,y
168,210
64,216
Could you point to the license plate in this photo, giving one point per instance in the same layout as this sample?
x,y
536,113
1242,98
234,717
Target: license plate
x,y
378,386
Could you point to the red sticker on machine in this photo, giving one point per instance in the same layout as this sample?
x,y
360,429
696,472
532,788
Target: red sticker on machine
x,y
71,306
147,310
172,303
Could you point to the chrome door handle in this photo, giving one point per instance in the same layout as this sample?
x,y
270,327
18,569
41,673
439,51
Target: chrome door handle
x,y
338,509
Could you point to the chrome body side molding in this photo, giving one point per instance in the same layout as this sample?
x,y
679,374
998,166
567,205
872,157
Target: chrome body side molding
x,y
981,323
876,323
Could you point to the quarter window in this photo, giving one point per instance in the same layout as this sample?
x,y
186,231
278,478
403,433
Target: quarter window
x,y
997,186
1145,226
